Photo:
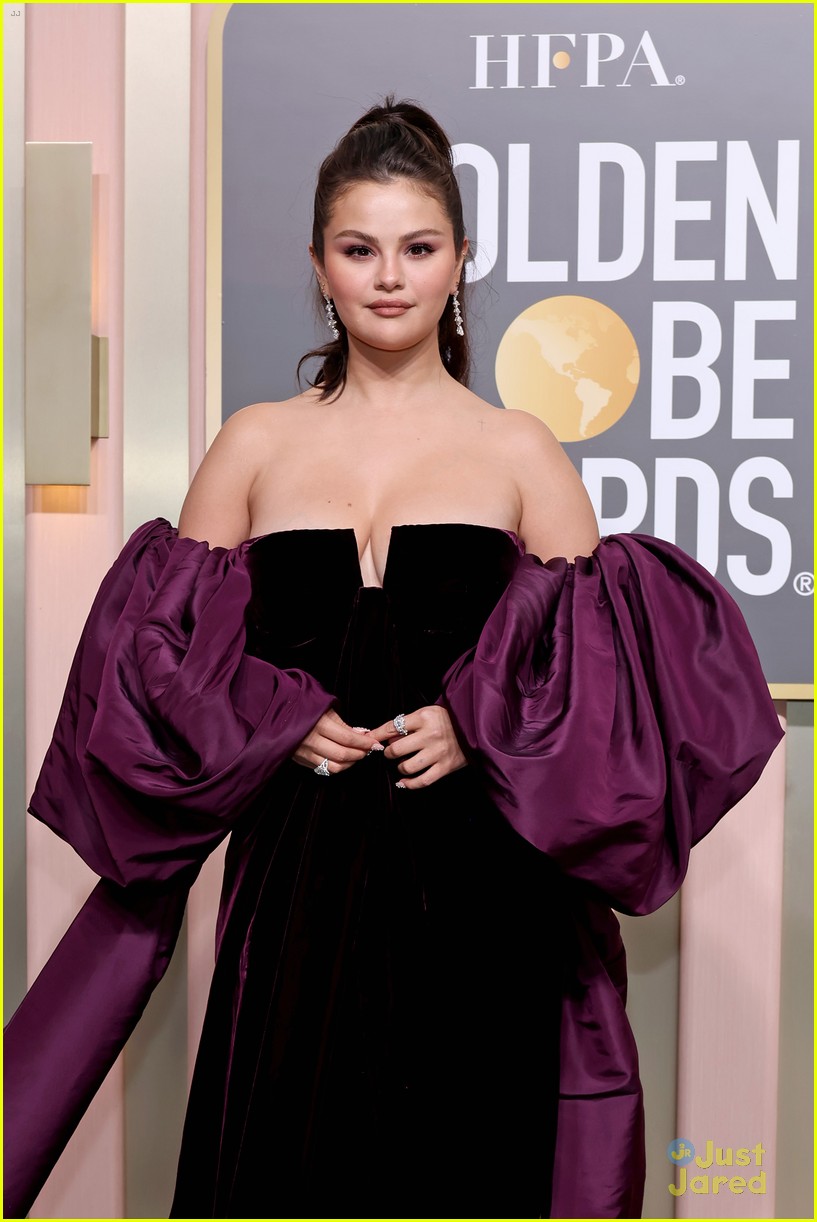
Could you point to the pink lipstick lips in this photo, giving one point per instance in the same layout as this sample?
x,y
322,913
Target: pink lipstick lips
x,y
389,308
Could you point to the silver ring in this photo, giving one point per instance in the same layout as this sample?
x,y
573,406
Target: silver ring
x,y
399,723
322,768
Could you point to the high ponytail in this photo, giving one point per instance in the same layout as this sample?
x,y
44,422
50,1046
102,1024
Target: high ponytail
x,y
389,142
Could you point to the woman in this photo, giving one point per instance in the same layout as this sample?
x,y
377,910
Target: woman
x,y
387,461
417,1006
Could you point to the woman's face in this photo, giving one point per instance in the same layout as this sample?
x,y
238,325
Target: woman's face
x,y
389,263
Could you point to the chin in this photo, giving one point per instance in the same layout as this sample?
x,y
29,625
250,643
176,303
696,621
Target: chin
x,y
397,340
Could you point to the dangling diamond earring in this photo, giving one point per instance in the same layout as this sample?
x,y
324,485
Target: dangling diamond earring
x,y
331,321
457,314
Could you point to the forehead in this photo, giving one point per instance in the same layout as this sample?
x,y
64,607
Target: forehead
x,y
400,205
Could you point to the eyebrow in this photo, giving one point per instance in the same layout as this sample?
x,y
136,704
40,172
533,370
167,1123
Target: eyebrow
x,y
407,237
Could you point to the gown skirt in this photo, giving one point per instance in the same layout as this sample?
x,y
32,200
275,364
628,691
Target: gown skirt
x,y
382,1034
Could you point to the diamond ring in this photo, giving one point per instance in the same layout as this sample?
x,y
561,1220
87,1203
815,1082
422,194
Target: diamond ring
x,y
399,723
322,768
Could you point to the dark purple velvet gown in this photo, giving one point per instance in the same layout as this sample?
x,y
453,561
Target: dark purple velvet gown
x,y
418,1001
383,1030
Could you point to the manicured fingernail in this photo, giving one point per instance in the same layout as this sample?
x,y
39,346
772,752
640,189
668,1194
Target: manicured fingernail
x,y
376,747
361,729
400,785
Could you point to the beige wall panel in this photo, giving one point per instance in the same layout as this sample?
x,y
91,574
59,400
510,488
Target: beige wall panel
x,y
58,313
156,469
157,216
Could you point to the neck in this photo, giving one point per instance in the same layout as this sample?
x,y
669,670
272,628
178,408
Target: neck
x,y
406,374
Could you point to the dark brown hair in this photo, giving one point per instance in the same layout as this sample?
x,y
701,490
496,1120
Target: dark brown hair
x,y
392,141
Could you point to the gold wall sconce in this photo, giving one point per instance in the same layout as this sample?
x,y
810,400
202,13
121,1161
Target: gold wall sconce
x,y
66,367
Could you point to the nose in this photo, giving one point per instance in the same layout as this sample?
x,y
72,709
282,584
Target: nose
x,y
389,273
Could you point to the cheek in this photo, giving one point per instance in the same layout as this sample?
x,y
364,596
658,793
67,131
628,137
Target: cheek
x,y
443,285
348,279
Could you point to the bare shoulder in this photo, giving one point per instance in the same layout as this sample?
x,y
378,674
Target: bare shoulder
x,y
524,441
521,430
557,518
516,431
251,432
257,421
480,412
217,506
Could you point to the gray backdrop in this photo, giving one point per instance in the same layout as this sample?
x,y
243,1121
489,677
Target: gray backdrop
x,y
736,79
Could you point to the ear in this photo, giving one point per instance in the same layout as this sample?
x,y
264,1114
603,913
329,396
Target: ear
x,y
319,271
461,263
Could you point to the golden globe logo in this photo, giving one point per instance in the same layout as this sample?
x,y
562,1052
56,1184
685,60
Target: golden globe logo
x,y
572,362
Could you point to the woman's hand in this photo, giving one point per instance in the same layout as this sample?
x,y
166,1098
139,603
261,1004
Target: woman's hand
x,y
428,751
332,740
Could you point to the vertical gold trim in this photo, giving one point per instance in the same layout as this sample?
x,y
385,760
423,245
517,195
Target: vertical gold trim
x,y
213,223
99,386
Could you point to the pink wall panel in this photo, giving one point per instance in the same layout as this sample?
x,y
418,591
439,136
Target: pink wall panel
x,y
731,910
74,58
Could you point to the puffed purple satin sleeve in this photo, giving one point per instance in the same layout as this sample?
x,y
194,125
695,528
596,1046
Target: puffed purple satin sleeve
x,y
167,733
617,709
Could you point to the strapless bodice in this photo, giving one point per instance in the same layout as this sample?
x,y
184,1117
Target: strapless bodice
x,y
370,645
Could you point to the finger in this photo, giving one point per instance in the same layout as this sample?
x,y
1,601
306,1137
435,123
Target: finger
x,y
388,730
336,753
403,746
346,737
418,763
432,774
384,736
357,737
312,760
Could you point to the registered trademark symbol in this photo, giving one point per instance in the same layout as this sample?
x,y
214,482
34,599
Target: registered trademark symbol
x,y
680,80
804,584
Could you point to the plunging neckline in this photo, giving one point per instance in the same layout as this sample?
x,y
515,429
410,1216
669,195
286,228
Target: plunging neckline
x,y
350,530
